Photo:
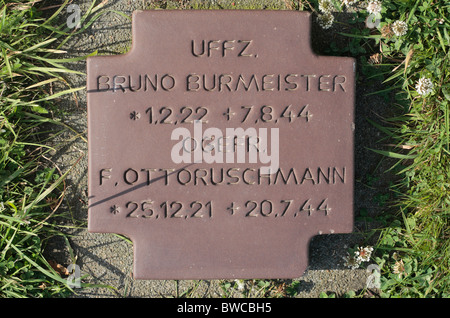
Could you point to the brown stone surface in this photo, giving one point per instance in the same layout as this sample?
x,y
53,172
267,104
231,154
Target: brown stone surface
x,y
229,69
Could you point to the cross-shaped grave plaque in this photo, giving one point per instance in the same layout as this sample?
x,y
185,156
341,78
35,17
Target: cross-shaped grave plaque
x,y
220,144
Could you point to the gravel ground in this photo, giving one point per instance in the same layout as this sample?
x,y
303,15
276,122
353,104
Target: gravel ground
x,y
108,259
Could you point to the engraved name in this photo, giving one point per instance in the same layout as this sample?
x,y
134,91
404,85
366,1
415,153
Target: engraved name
x,y
222,176
222,82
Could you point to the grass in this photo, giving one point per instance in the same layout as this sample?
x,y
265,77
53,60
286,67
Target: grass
x,y
412,251
29,186
32,187
416,254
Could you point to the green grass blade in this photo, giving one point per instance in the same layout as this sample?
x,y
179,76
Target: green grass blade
x,y
50,189
38,45
53,275
394,155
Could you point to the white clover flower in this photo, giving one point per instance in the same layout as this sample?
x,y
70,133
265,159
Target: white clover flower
x,y
399,268
399,28
240,284
326,6
349,3
374,6
424,86
325,20
363,253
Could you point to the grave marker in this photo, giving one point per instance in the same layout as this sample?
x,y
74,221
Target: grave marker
x,y
220,144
